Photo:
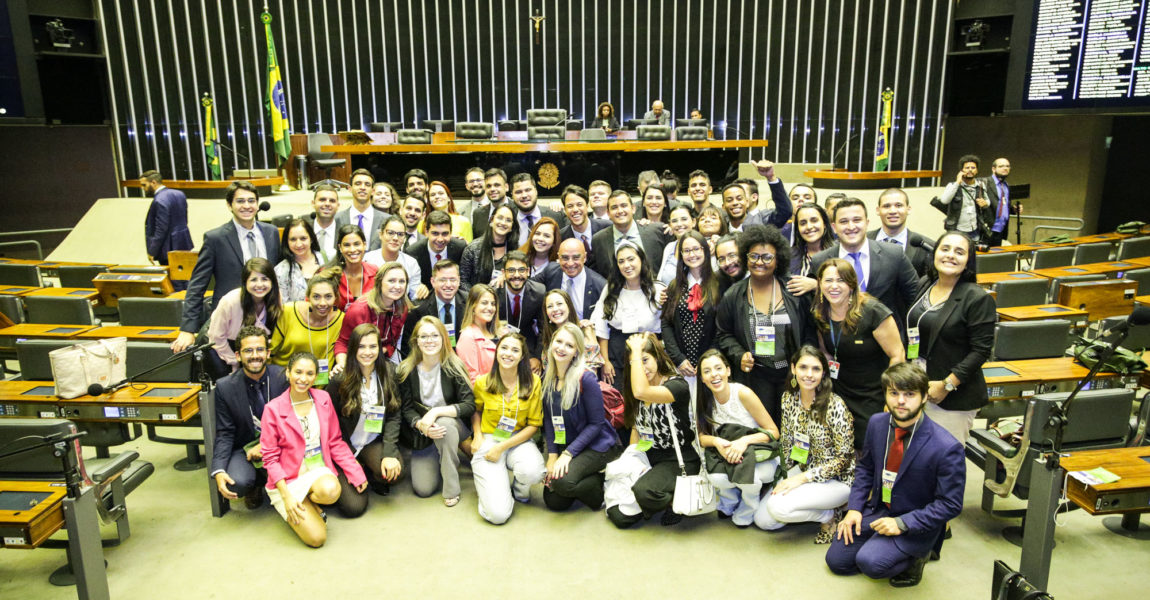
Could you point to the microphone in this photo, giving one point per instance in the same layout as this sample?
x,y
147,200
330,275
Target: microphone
x,y
922,243
1138,318
99,390
265,205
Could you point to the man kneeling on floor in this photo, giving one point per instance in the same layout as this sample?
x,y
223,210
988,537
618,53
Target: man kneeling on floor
x,y
908,483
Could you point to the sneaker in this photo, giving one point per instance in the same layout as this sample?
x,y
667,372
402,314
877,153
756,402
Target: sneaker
x,y
449,502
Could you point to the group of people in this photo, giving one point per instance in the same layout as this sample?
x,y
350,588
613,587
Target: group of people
x,y
780,351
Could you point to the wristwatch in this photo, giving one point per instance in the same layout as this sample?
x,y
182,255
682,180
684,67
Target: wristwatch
x,y
950,387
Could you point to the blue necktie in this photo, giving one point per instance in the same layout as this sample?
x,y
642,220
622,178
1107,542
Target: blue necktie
x,y
856,259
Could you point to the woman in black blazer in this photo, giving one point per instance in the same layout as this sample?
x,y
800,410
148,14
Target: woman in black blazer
x,y
367,406
950,331
689,315
759,324
437,404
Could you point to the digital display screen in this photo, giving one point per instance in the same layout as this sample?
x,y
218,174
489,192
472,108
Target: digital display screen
x,y
1088,54
998,372
112,412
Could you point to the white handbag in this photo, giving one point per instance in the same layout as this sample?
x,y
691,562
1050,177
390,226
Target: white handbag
x,y
694,494
76,367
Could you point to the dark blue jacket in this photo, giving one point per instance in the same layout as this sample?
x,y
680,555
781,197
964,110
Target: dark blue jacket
x,y
585,422
166,227
236,403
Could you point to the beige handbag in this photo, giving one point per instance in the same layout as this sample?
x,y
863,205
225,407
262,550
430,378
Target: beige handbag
x,y
76,367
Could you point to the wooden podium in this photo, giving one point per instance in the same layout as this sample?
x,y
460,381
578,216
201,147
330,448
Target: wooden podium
x,y
113,286
181,263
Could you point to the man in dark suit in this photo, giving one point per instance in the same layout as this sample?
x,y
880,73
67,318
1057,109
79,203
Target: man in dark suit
x,y
998,192
908,483
240,399
361,212
412,212
583,285
522,302
883,269
445,304
622,211
526,198
893,209
325,204
222,256
495,186
658,113
166,227
437,246
580,224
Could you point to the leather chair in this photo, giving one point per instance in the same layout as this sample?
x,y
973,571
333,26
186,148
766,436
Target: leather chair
x,y
546,132
1049,258
151,312
413,136
654,133
1136,247
1142,276
1085,254
593,135
323,160
1019,292
690,133
1024,340
439,125
574,125
539,117
385,126
1138,339
59,309
690,123
12,307
474,131
79,276
28,275
512,125
1002,262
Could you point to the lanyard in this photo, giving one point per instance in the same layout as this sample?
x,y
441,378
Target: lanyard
x,y
927,308
771,310
503,404
835,338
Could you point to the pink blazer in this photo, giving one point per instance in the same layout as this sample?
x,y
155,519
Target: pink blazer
x,y
282,443
476,351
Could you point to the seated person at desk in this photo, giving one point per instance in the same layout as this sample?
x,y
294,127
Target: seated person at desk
x,y
240,401
906,498
222,256
657,113
605,118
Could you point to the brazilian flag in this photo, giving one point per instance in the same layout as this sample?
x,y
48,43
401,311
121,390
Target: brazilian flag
x,y
211,140
276,104
882,144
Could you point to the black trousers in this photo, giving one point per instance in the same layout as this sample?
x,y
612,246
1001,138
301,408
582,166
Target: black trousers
x,y
243,473
583,481
351,503
655,490
768,384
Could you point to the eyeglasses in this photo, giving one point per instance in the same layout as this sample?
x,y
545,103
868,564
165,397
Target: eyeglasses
x,y
245,201
695,250
517,270
728,258
395,234
428,338
766,259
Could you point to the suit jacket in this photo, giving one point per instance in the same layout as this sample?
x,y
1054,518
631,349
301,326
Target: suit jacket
x,y
343,217
166,226
282,443
221,259
780,215
892,278
552,279
672,335
920,259
928,489
456,392
454,253
961,344
733,335
430,308
347,423
602,257
481,219
992,195
597,225
664,119
559,218
530,312
234,412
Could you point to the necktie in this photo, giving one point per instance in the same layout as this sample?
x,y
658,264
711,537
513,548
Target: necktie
x,y
1003,199
360,224
894,455
856,259
894,241
438,257
447,313
586,242
322,245
253,251
569,287
530,221
515,309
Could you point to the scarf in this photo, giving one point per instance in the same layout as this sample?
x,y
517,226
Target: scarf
x,y
695,301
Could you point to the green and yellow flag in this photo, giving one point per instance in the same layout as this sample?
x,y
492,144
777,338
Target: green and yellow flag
x,y
882,144
276,104
211,140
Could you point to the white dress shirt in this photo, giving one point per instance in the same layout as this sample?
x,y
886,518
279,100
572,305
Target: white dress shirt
x,y
259,238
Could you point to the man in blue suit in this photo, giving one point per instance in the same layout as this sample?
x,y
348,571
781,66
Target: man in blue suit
x,y
570,275
908,483
166,227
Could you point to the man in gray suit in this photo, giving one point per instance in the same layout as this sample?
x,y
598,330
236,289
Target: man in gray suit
x,y
603,244
893,210
361,212
657,113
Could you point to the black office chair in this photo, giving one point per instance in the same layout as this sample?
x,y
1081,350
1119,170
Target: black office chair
x,y
59,309
1142,276
1024,340
1018,292
79,276
28,275
1049,258
1138,340
654,133
1085,254
1136,247
690,133
413,136
546,123
439,125
323,160
1002,262
12,307
593,135
512,125
151,312
474,131
385,126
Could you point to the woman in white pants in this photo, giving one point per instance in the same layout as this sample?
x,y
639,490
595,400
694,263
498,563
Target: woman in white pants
x,y
818,443
508,412
733,426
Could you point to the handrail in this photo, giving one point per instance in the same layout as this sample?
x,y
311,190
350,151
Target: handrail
x,y
35,231
1034,233
39,249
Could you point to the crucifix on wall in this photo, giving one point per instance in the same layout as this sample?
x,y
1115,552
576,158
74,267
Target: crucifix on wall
x,y
537,20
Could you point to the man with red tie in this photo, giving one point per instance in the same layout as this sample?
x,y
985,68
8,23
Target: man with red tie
x,y
908,483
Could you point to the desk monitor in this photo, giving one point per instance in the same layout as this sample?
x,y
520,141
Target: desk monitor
x,y
1121,265
998,372
41,390
81,292
156,332
65,330
635,123
21,501
1145,458
1074,270
1021,275
692,123
1054,309
163,393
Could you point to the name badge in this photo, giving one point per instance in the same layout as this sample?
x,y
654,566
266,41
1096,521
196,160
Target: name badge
x,y
560,429
646,439
321,375
313,458
912,338
451,331
888,478
504,428
834,368
373,418
511,328
801,450
496,275
765,340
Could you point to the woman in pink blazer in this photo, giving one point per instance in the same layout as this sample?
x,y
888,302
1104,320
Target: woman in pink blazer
x,y
301,444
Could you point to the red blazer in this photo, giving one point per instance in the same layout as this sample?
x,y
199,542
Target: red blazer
x,y
281,440
344,298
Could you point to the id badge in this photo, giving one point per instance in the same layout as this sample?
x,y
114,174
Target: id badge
x,y
646,439
834,368
560,429
512,329
321,375
504,429
496,274
765,340
373,418
888,478
802,448
451,331
912,338
313,458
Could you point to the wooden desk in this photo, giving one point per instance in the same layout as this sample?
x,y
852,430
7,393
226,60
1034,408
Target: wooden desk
x,y
1025,378
10,335
1107,298
1112,236
843,179
1016,248
50,268
133,333
509,147
198,188
28,527
17,290
1042,312
1109,269
89,294
1141,261
113,286
1131,494
181,263
989,279
1143,300
159,403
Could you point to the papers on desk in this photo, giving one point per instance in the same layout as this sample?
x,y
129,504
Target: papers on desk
x,y
1097,476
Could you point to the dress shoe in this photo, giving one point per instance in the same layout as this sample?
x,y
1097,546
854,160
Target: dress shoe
x,y
670,517
255,498
911,576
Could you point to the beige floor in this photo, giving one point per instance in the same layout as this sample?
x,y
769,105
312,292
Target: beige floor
x,y
405,546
